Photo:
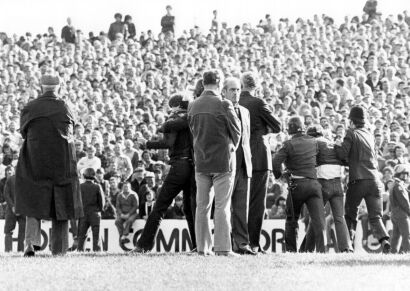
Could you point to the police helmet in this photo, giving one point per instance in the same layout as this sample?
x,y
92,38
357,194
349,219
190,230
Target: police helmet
x,y
315,130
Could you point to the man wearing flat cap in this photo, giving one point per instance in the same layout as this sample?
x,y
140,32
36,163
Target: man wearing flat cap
x,y
47,185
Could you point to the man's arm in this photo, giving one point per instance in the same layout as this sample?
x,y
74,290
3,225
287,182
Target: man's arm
x,y
402,198
117,208
100,199
343,148
233,123
134,208
176,124
278,160
165,143
267,115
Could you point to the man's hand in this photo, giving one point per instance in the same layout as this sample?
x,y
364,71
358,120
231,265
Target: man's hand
x,y
13,209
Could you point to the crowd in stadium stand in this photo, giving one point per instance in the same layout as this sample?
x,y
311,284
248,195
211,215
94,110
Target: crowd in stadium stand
x,y
118,84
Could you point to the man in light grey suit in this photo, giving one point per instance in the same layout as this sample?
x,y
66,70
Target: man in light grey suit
x,y
216,131
240,195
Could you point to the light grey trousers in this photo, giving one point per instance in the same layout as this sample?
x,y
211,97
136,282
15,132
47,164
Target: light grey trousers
x,y
223,185
58,239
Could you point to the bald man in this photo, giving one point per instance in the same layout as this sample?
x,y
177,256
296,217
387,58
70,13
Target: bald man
x,y
240,194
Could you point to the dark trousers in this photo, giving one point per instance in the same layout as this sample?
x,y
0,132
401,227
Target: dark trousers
x,y
304,191
257,205
181,177
59,237
92,220
332,192
240,208
400,229
9,226
371,192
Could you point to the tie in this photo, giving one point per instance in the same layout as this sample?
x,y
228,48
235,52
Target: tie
x,y
237,111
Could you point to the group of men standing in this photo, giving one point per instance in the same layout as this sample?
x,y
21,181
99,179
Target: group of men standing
x,y
216,141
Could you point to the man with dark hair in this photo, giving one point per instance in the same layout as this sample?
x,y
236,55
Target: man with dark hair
x,y
68,32
178,139
93,203
116,27
216,132
358,151
329,171
262,122
168,21
47,185
299,154
240,194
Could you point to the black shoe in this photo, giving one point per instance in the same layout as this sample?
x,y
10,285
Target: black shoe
x,y
348,251
36,248
246,250
193,251
386,248
138,250
29,252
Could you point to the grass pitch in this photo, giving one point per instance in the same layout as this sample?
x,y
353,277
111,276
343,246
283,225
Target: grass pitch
x,y
104,271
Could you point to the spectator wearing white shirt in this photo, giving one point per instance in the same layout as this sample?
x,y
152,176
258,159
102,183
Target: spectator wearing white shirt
x,y
89,161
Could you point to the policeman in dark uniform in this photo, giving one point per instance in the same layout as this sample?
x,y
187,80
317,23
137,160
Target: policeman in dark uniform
x,y
299,154
178,139
329,171
359,152
400,210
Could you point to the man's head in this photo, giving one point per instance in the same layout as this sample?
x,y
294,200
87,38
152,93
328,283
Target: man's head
x,y
89,174
249,81
232,89
177,102
402,171
315,131
90,152
50,82
211,80
118,17
295,125
357,116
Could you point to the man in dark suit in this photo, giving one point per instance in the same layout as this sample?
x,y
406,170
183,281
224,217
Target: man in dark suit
x,y
47,185
240,194
262,121
216,132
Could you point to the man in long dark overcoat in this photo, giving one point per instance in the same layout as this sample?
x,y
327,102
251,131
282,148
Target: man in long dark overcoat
x,y
47,185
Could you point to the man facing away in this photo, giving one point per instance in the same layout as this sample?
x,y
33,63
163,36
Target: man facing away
x,y
359,152
47,185
216,132
240,195
262,121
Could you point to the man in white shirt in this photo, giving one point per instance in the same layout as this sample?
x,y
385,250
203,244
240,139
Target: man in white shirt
x,y
89,161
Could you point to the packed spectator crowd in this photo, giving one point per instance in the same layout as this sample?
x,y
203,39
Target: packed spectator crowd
x,y
118,85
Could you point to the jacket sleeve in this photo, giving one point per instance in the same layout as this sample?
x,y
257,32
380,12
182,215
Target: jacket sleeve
x,y
165,143
7,194
342,152
233,123
176,124
267,115
134,208
118,206
100,199
278,160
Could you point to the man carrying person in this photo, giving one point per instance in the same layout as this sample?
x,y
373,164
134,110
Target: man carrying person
x,y
180,176
358,151
299,154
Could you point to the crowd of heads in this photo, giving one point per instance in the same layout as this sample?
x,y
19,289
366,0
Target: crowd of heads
x,y
119,87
